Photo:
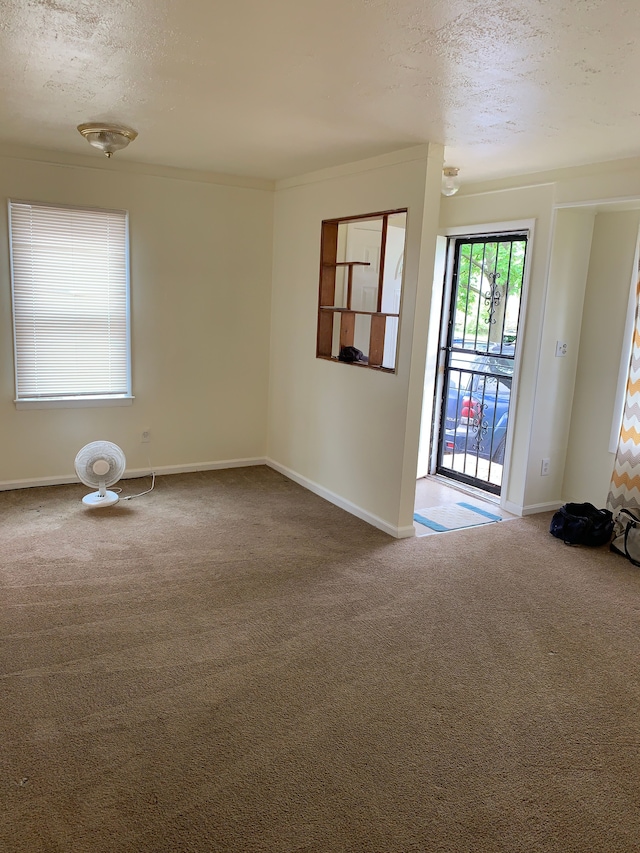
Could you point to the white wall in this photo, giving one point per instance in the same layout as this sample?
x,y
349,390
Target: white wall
x,y
472,211
207,256
429,405
201,257
556,375
611,272
577,293
349,433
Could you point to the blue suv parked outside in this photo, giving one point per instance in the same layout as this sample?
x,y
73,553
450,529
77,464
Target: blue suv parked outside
x,y
477,406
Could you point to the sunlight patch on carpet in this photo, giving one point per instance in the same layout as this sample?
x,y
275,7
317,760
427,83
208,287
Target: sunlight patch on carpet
x,y
454,516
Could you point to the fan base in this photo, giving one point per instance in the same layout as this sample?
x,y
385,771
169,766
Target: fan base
x,y
95,499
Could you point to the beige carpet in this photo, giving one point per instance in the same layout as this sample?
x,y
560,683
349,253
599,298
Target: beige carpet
x,y
233,664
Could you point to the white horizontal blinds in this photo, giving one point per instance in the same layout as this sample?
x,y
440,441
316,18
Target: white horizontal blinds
x,y
69,270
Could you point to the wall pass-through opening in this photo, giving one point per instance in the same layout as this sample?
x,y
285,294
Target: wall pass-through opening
x,y
360,293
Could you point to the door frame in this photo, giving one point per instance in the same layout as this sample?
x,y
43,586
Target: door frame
x,y
434,407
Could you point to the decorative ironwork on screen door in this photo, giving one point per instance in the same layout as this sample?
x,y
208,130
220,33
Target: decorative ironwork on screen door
x,y
477,357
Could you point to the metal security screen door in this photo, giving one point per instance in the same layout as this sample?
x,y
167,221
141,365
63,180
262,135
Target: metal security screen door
x,y
477,357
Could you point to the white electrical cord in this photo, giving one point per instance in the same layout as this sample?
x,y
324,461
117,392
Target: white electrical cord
x,y
140,494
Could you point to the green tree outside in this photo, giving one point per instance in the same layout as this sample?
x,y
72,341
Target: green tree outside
x,y
479,264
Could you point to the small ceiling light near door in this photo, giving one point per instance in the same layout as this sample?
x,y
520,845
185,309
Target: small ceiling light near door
x,y
450,180
109,138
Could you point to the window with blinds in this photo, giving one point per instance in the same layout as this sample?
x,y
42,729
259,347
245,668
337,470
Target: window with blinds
x,y
69,269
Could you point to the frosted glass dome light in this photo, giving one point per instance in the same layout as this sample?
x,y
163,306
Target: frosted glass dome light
x,y
108,138
450,180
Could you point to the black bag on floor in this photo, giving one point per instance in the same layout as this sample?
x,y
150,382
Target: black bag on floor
x,y
582,524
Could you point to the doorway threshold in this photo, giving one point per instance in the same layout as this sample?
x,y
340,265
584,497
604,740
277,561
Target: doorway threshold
x,y
472,491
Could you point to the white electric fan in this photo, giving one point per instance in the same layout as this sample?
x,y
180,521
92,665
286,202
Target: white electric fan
x,y
100,464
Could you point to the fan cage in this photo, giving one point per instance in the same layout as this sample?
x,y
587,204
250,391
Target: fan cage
x,y
94,452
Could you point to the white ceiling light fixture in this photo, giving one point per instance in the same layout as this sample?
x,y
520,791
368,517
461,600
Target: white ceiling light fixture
x,y
450,180
109,138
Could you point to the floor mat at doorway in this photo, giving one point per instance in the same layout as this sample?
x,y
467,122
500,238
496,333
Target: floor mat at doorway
x,y
453,517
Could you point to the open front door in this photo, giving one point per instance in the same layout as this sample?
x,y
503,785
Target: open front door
x,y
477,351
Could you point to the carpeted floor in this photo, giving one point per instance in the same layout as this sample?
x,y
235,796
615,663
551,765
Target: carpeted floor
x,y
232,664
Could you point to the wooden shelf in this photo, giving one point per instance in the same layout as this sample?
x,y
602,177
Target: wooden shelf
x,y
356,311
357,364
346,264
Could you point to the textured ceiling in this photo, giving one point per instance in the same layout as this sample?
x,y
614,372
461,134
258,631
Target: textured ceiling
x,y
276,89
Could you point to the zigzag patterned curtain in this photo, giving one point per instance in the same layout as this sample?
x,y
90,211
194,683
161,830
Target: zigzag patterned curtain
x,y
625,482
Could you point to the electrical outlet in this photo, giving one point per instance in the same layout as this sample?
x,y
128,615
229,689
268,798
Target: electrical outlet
x,y
544,467
561,348
145,436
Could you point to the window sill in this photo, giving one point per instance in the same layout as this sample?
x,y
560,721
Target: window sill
x,y
73,402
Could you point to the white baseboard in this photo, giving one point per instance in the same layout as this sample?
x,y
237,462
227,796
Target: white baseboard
x,y
197,466
514,509
548,506
130,473
531,509
8,485
405,532
396,532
